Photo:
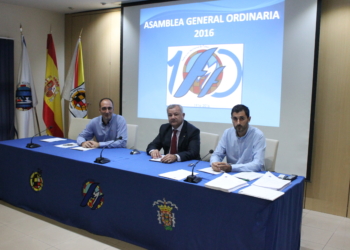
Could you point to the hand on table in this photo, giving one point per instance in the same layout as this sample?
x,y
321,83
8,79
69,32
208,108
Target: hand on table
x,y
169,158
221,166
90,144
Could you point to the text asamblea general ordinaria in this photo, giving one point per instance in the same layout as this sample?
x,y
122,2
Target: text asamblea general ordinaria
x,y
241,17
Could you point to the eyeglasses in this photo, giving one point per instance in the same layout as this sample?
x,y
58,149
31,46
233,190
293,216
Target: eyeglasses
x,y
105,108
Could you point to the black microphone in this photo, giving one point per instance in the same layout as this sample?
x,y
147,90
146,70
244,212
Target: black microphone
x,y
103,160
192,178
33,145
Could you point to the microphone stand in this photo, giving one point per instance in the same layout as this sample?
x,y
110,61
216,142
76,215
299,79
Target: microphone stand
x,y
192,178
103,160
34,145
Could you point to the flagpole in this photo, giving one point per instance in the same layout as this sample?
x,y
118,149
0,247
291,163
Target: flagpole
x,y
34,108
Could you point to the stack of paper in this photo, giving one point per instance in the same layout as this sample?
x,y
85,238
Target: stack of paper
x,y
269,180
178,174
262,193
227,183
248,176
210,170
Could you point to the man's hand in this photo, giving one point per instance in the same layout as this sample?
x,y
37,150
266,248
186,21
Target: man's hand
x,y
155,154
90,144
169,158
221,166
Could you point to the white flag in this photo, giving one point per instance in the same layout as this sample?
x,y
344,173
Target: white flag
x,y
26,98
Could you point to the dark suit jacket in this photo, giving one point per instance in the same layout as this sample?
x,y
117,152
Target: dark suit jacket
x,y
188,145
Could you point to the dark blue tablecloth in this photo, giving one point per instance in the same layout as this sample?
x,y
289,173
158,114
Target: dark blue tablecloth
x,y
126,199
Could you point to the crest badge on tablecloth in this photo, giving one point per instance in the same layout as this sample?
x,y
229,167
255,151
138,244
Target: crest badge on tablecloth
x,y
165,214
93,195
36,180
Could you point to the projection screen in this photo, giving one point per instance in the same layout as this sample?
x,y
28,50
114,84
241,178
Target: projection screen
x,y
211,55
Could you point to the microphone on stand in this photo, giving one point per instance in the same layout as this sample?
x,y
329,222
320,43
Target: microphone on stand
x,y
103,160
192,178
33,145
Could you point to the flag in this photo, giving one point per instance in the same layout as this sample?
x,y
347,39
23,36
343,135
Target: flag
x,y
52,111
26,98
74,86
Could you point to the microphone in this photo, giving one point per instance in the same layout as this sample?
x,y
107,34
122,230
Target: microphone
x,y
103,160
192,178
33,145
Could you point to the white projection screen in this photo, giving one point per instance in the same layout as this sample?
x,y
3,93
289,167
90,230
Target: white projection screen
x,y
211,55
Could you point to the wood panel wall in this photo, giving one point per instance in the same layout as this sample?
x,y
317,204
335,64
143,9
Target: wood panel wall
x,y
328,190
101,51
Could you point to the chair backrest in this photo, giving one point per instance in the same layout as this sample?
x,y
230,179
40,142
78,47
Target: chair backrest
x,y
132,135
208,141
76,126
270,154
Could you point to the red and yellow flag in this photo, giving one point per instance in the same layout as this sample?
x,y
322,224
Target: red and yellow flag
x,y
52,110
74,86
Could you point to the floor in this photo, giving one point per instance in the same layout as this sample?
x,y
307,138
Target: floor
x,y
20,229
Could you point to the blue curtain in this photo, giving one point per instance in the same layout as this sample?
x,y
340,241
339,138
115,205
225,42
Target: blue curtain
x,y
7,112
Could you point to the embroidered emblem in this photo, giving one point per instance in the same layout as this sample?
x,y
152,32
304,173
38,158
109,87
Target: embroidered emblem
x,y
165,214
36,181
51,87
78,105
93,195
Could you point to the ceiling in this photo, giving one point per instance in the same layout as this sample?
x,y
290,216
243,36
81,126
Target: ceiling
x,y
70,6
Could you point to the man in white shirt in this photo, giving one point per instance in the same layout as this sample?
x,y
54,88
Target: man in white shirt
x,y
243,145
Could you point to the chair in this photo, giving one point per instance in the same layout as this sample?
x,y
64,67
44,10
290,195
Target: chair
x,y
271,154
208,141
132,135
76,126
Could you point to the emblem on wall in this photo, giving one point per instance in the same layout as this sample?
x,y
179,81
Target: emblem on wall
x,y
93,195
36,180
165,213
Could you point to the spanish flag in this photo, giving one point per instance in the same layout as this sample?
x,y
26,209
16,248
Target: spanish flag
x,y
74,86
52,111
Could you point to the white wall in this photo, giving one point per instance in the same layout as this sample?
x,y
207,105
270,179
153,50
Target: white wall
x,y
36,25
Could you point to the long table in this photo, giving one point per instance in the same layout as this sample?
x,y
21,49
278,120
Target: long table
x,y
127,200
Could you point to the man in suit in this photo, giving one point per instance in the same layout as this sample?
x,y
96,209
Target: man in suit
x,y
178,138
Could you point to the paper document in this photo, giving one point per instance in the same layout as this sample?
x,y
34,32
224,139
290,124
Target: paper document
x,y
269,180
227,183
210,170
157,159
248,176
178,174
53,139
67,145
82,149
262,193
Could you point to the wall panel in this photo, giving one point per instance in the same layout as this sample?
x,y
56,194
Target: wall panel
x,y
101,51
328,190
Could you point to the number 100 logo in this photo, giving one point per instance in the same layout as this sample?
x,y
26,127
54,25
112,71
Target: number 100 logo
x,y
205,76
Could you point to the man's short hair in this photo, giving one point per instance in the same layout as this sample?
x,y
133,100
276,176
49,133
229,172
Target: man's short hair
x,y
171,106
106,98
239,108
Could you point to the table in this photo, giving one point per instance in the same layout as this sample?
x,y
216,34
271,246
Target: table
x,y
127,200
